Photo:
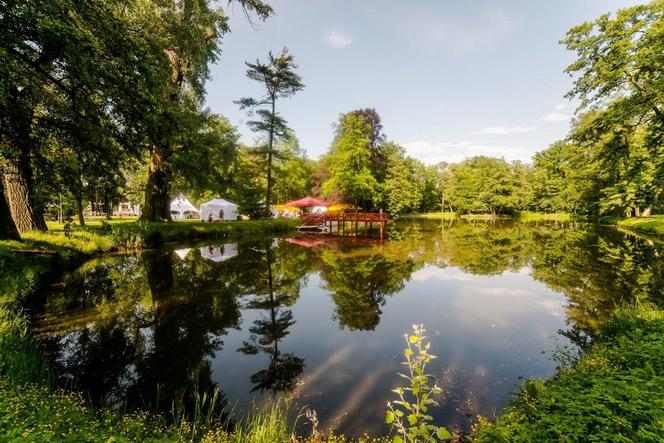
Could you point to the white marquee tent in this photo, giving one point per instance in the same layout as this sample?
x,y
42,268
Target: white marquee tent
x,y
218,209
182,208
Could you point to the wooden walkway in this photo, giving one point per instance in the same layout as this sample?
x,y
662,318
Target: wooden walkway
x,y
346,224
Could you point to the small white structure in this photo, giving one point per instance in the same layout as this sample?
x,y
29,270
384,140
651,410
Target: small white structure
x,y
318,210
182,253
182,208
126,209
219,253
218,209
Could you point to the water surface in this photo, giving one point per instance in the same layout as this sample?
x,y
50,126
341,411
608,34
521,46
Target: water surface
x,y
322,319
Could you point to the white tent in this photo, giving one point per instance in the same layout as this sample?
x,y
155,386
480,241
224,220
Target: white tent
x,y
182,208
219,253
218,209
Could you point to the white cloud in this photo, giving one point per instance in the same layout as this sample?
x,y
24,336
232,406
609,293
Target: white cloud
x,y
337,39
555,117
485,28
432,152
506,130
434,273
560,107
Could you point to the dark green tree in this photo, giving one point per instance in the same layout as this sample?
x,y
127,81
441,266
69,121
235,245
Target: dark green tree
x,y
70,69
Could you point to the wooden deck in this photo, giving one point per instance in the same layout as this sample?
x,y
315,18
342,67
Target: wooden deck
x,y
346,224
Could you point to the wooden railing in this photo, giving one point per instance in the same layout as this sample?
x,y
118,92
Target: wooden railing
x,y
368,217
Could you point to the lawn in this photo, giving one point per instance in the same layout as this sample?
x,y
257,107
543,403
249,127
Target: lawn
x,y
653,224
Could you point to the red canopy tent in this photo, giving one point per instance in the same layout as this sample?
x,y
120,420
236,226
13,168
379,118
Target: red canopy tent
x,y
308,202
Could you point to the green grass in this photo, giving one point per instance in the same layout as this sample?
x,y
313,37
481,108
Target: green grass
x,y
433,215
33,412
531,216
614,392
653,224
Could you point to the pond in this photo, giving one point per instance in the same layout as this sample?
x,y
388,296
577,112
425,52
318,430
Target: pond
x,y
322,318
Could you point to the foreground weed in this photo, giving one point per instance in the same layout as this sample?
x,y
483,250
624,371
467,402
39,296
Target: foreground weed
x,y
408,416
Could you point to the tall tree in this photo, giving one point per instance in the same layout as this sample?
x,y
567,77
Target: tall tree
x,y
619,78
349,162
190,33
280,80
379,156
403,184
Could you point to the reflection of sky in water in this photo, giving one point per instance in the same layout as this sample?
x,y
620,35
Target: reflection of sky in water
x,y
487,332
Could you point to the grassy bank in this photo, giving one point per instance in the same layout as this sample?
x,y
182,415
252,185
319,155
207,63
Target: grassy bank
x,y
653,224
433,215
530,216
614,392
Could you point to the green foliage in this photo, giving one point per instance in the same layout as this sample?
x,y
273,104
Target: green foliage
x,y
349,162
408,416
409,186
613,161
489,185
30,412
615,392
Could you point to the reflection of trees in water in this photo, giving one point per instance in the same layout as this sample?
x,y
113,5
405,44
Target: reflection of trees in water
x,y
599,270
155,353
277,276
359,285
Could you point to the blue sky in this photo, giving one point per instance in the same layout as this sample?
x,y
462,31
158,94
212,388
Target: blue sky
x,y
450,79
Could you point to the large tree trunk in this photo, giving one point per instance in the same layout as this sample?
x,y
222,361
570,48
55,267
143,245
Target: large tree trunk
x,y
79,210
157,195
27,214
8,229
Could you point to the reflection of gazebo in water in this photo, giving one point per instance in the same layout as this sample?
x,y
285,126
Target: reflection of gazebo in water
x,y
219,253
306,242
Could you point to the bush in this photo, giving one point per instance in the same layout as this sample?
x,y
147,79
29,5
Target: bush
x,y
615,392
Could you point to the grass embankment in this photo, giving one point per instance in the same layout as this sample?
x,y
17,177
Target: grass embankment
x,y
614,392
653,224
530,216
433,215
